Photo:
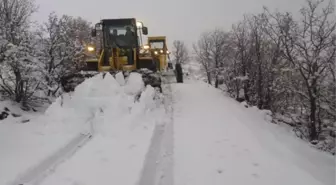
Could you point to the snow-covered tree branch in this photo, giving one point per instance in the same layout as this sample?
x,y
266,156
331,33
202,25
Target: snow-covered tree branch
x,y
62,49
180,52
18,54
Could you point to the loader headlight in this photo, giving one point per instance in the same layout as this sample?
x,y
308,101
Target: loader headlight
x,y
155,52
161,51
90,48
168,52
146,47
139,24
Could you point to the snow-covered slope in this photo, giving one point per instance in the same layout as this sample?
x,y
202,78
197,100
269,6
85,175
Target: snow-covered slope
x,y
219,141
121,124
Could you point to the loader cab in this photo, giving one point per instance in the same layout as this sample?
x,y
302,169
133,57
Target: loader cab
x,y
119,44
156,44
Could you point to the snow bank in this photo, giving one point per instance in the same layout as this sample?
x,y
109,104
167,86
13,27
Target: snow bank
x,y
316,163
120,78
100,100
10,112
134,84
116,154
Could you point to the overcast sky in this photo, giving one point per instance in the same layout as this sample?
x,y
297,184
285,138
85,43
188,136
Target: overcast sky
x,y
176,19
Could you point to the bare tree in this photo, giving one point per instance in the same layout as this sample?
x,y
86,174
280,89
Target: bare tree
x,y
219,52
78,29
203,54
51,38
14,18
310,47
275,87
243,56
180,52
63,39
212,52
17,50
287,66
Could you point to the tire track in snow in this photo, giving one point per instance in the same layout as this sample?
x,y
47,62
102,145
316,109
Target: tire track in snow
x,y
158,166
35,175
165,176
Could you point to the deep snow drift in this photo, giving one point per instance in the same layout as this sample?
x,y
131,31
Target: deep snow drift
x,y
219,141
121,122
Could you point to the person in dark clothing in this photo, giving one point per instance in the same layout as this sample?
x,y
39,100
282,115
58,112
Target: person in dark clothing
x,y
178,73
129,51
153,66
115,32
129,32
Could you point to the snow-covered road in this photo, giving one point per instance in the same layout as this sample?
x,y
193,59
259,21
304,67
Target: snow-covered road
x,y
219,141
199,137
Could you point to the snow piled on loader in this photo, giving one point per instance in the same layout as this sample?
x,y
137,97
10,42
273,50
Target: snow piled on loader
x,y
120,114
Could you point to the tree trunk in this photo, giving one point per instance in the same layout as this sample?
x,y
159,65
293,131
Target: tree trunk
x,y
209,78
18,86
313,110
246,90
268,99
312,125
260,96
237,90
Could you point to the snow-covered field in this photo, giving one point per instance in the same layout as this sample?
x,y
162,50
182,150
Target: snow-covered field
x,y
194,135
121,127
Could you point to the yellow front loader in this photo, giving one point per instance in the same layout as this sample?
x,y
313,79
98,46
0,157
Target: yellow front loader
x,y
117,47
158,48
